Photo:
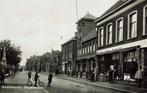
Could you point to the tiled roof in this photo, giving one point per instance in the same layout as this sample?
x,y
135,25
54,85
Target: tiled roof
x,y
87,16
90,35
115,6
73,38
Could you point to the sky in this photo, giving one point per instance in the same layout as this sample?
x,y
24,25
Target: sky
x,y
38,26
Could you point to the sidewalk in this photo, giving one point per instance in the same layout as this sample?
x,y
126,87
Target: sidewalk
x,y
119,87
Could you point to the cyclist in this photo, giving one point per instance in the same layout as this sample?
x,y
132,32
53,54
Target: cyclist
x,y
36,78
29,75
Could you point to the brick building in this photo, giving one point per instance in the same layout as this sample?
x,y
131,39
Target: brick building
x,y
122,39
69,54
86,45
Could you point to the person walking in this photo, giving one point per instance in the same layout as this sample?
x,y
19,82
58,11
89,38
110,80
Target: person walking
x,y
50,76
36,78
2,77
29,75
111,74
138,77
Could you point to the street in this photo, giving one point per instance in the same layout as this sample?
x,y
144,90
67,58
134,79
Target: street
x,y
17,84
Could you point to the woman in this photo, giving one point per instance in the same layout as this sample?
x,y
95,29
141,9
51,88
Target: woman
x,y
138,77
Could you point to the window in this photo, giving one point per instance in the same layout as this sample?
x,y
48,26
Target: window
x,y
90,48
132,25
93,46
82,51
85,49
101,37
109,34
82,24
145,20
119,30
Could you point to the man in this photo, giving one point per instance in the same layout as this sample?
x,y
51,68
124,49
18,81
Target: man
x,y
36,78
111,74
3,77
50,76
0,76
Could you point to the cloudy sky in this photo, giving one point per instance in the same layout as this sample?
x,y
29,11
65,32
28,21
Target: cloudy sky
x,y
39,25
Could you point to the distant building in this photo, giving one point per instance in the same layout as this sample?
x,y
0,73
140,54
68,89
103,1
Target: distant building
x,y
57,61
69,53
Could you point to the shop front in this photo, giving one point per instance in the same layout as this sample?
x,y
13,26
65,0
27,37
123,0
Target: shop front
x,y
64,67
125,61
85,67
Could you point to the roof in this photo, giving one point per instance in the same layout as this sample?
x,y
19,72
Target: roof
x,y
90,35
115,6
73,38
87,16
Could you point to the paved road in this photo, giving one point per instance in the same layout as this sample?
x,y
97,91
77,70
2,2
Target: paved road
x,y
17,84
65,86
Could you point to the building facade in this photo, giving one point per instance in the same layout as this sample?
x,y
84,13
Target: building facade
x,y
86,46
69,54
57,61
122,39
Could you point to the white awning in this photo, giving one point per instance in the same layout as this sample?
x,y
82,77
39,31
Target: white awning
x,y
141,43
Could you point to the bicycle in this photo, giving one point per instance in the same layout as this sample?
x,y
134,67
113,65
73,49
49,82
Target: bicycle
x,y
30,83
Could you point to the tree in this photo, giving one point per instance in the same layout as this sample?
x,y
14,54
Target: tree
x,y
13,53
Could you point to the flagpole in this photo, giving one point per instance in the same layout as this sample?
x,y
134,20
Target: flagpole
x,y
77,9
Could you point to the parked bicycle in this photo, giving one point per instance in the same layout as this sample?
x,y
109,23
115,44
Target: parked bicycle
x,y
30,83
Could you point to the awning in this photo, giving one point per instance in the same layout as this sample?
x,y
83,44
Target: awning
x,y
86,57
117,50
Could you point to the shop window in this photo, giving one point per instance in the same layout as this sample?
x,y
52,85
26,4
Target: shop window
x,y
115,56
101,58
130,64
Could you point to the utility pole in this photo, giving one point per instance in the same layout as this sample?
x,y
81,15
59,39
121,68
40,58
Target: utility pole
x,y
77,9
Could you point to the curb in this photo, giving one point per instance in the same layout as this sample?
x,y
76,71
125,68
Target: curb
x,y
118,89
